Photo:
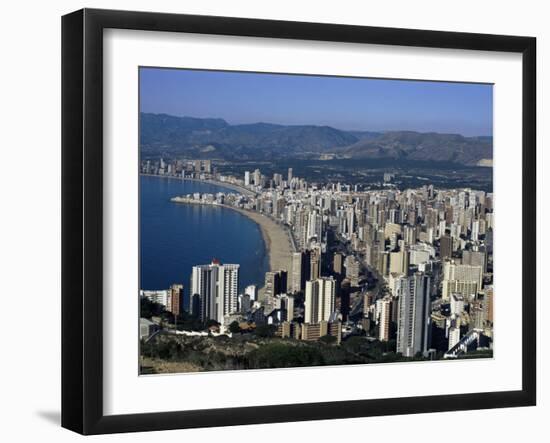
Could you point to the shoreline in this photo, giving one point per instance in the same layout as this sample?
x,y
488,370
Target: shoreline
x,y
276,238
221,184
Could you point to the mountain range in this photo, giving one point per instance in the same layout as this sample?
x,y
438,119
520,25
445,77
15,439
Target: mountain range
x,y
171,136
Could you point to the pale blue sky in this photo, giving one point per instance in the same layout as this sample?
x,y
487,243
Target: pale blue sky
x,y
341,102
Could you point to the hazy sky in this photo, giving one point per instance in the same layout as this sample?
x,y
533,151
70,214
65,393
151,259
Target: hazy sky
x,y
344,103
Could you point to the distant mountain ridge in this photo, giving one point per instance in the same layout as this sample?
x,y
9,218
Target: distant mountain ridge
x,y
429,146
166,135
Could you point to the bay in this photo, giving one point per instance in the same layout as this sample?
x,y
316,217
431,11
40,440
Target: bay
x,y
175,237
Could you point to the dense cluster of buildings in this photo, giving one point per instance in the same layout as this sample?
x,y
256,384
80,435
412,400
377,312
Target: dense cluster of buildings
x,y
409,267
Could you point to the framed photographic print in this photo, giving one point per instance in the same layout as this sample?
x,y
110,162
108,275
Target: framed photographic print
x,y
269,221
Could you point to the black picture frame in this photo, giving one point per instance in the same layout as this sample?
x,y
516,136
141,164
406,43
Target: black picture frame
x,y
82,215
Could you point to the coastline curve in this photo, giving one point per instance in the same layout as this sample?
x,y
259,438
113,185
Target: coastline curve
x,y
276,238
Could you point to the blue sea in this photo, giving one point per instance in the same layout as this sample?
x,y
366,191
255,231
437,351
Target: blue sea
x,y
175,237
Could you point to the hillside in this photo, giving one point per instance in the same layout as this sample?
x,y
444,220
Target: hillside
x,y
423,146
165,135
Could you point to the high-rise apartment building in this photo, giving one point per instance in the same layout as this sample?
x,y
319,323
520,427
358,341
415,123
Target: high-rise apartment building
x,y
252,292
475,258
275,283
288,305
338,263
353,270
314,226
214,290
384,318
454,336
413,323
245,303
446,247
315,264
399,262
257,177
161,297
300,267
463,279
320,299
344,292
475,230
176,299
457,304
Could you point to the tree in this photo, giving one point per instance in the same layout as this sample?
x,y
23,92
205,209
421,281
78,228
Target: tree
x,y
279,355
328,339
210,322
356,344
265,330
149,309
234,327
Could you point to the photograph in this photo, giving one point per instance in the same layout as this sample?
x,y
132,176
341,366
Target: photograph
x,y
298,220
275,219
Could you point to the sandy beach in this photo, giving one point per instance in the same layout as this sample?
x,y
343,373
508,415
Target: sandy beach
x,y
276,239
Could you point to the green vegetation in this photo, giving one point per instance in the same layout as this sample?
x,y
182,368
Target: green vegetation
x,y
149,309
480,353
259,351
281,355
265,331
183,322
234,327
328,339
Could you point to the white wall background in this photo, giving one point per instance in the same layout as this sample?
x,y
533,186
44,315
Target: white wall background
x,y
30,215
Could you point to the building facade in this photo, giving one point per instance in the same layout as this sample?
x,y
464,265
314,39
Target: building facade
x,y
320,299
214,290
413,323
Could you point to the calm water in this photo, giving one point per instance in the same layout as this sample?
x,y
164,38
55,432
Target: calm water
x,y
175,237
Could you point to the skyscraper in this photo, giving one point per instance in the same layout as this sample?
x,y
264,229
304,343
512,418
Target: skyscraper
x,y
478,315
337,263
275,283
413,323
296,272
463,279
384,319
176,299
244,303
399,262
454,335
315,264
320,299
314,226
446,247
353,269
215,288
300,271
252,292
474,258
257,177
457,304
287,303
475,230
344,292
